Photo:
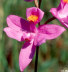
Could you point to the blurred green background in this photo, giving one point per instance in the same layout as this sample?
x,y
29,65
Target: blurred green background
x,y
53,55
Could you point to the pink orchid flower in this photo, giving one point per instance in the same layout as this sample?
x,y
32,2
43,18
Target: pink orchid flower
x,y
61,13
29,0
23,30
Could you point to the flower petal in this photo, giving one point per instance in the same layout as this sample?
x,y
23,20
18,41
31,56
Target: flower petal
x,y
39,39
65,21
26,55
16,22
53,11
29,0
51,31
64,12
33,27
61,13
16,34
35,11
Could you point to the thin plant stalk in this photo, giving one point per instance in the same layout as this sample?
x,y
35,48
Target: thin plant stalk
x,y
49,20
37,48
36,60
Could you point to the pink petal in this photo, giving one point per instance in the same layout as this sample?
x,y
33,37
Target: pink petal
x,y
51,31
33,27
29,0
53,11
61,13
39,39
26,55
61,5
35,11
18,23
65,21
64,12
16,34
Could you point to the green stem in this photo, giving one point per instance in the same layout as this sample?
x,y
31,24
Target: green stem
x,y
36,60
49,20
37,49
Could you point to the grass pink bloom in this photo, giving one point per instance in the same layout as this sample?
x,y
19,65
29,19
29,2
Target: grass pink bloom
x,y
23,30
29,0
61,13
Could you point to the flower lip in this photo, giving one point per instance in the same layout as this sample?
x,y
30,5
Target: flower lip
x,y
34,14
65,1
32,18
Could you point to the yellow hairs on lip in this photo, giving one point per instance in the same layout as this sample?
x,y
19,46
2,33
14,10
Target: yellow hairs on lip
x,y
66,1
33,18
